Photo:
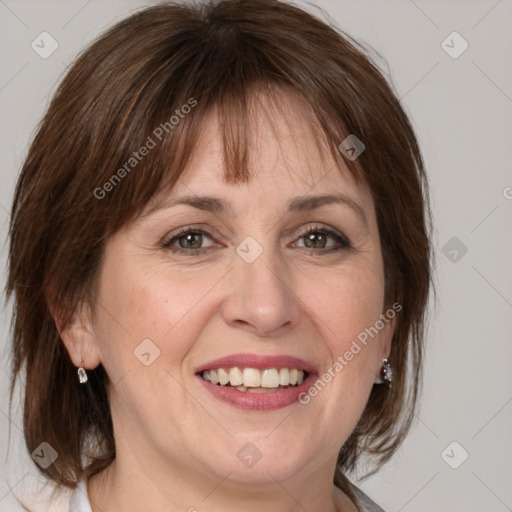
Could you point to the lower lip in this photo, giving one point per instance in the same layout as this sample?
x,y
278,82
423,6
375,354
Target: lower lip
x,y
258,401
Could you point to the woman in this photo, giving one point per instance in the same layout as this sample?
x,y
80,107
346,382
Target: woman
x,y
220,263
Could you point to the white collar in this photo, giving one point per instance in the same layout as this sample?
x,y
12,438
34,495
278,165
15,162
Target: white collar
x,y
80,499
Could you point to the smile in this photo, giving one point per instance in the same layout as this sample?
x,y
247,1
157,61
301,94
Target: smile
x,y
254,380
257,382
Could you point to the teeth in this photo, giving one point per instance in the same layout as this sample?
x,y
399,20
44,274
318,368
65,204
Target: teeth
x,y
252,378
223,376
261,390
256,380
269,378
235,377
214,378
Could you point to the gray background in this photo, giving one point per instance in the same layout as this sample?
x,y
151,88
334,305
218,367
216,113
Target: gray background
x,y
461,108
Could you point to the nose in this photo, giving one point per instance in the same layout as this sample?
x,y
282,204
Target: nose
x,y
261,299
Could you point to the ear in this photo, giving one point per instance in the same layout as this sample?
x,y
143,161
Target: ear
x,y
79,339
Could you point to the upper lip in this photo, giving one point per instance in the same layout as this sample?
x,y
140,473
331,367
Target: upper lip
x,y
258,361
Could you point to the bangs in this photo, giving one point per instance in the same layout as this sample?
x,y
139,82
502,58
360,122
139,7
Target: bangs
x,y
171,135
222,64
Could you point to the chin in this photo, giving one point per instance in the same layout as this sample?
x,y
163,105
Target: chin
x,y
263,457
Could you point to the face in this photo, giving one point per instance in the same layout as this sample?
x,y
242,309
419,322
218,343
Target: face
x,y
265,275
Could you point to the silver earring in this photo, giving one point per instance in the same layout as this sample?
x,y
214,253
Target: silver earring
x,y
386,373
82,375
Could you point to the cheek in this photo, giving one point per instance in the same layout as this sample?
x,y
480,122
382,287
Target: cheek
x,y
346,303
156,304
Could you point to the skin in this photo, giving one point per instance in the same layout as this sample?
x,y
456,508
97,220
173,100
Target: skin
x,y
177,444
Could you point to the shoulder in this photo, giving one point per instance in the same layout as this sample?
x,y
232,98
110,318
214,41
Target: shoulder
x,y
364,503
358,501
80,500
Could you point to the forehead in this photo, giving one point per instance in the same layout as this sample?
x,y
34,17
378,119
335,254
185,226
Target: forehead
x,y
286,150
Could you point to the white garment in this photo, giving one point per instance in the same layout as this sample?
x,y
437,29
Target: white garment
x,y
80,499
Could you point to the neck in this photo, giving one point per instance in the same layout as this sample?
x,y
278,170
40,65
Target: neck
x,y
126,485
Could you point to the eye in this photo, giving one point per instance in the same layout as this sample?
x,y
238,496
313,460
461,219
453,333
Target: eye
x,y
318,240
189,241
315,240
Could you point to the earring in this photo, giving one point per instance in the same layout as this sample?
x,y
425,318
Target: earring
x,y
82,375
386,373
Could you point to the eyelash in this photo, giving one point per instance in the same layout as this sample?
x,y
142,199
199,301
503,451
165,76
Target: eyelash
x,y
343,242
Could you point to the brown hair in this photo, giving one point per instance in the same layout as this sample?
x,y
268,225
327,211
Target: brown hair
x,y
72,193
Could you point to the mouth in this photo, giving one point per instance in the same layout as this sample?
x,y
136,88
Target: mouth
x,y
254,380
250,381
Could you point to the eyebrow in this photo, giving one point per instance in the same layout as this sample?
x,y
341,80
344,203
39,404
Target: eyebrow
x,y
298,205
307,203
